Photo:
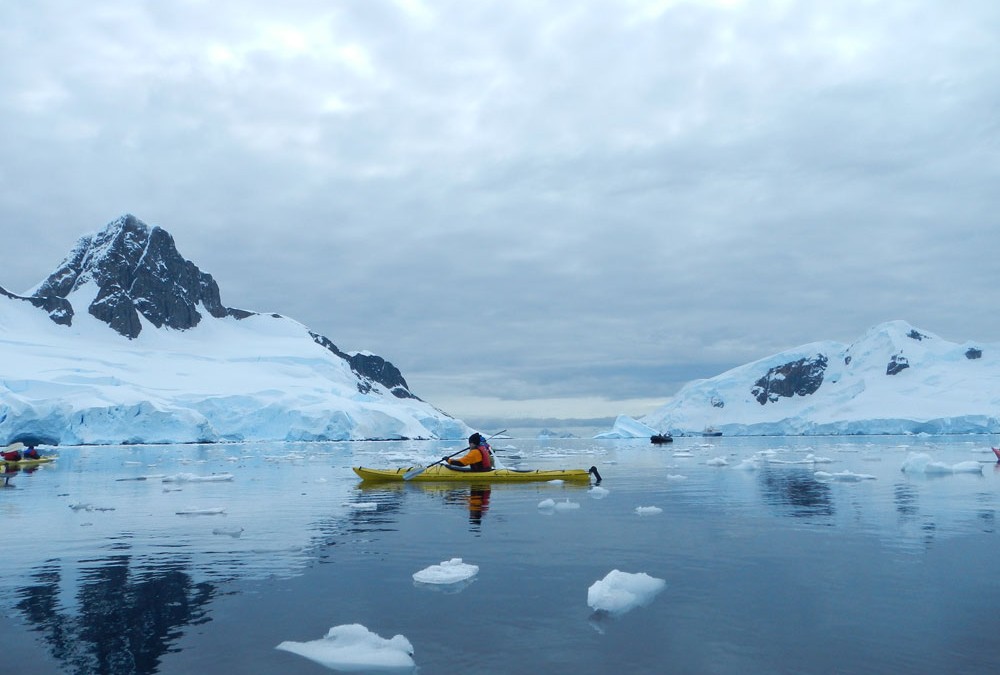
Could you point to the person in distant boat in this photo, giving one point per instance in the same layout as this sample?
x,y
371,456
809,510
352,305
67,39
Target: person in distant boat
x,y
31,453
478,458
11,455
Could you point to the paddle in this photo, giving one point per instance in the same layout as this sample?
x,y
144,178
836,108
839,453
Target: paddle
x,y
413,473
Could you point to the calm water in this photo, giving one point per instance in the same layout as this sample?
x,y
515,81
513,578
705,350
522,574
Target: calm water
x,y
767,570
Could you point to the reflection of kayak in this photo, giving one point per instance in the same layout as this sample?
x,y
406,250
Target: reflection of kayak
x,y
441,473
996,451
26,463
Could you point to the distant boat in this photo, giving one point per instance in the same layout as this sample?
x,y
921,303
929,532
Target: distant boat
x,y
996,451
660,439
711,431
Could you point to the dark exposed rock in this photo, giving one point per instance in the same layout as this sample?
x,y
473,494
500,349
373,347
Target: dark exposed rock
x,y
802,377
59,309
897,363
717,402
369,368
138,272
914,334
973,353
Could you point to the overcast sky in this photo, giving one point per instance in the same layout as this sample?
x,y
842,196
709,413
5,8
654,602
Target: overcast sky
x,y
538,209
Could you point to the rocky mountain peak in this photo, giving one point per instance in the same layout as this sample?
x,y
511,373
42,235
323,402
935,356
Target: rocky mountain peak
x,y
132,270
137,271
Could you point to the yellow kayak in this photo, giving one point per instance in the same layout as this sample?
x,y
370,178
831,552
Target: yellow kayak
x,y
26,463
441,473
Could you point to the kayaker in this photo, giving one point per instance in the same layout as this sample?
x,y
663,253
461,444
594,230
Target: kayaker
x,y
12,456
31,453
478,458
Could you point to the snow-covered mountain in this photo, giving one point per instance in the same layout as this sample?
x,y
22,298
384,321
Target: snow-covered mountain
x,y
895,379
128,342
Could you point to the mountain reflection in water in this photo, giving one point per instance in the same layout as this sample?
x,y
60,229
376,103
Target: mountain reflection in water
x,y
121,620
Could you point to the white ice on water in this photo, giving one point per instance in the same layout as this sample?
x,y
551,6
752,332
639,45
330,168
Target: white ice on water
x,y
447,572
352,647
619,592
920,462
843,476
193,478
553,505
648,510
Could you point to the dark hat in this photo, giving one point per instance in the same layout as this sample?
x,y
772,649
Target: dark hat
x,y
475,439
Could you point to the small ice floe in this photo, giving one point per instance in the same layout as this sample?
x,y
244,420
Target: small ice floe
x,y
555,481
448,572
158,476
171,488
201,512
362,506
843,476
683,453
648,510
233,532
192,478
352,647
808,459
90,507
718,461
676,477
598,492
620,592
922,463
553,505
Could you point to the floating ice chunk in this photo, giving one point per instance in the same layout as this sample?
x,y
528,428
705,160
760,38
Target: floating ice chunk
x,y
676,477
354,647
448,572
201,512
192,478
683,453
598,492
363,506
233,532
921,463
843,476
718,461
90,507
648,510
553,505
619,592
555,481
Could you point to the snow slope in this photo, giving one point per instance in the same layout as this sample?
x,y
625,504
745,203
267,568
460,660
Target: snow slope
x,y
895,379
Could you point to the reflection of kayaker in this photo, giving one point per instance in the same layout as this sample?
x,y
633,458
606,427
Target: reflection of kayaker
x,y
479,503
8,471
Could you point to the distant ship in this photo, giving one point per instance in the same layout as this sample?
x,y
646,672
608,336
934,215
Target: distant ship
x,y
711,431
